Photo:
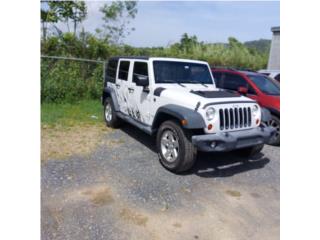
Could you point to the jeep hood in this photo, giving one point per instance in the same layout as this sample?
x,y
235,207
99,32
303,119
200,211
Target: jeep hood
x,y
192,95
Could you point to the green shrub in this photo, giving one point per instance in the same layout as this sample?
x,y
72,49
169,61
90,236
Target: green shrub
x,y
69,80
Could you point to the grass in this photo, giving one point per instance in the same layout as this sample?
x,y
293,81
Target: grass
x,y
71,129
85,112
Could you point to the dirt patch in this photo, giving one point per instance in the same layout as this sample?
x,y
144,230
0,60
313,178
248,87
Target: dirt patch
x,y
133,217
62,142
177,225
233,193
100,196
115,142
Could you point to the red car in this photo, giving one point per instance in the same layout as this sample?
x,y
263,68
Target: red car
x,y
254,85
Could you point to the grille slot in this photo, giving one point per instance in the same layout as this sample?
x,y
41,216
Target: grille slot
x,y
235,118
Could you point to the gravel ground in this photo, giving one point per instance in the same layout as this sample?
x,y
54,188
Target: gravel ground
x,y
121,191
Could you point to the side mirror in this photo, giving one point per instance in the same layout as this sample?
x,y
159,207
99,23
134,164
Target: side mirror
x,y
140,80
243,90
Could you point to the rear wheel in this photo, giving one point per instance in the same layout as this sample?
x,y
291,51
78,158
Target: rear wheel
x,y
110,116
175,150
275,122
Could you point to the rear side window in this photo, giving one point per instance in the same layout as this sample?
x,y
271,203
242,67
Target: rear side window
x,y
140,68
233,81
111,71
123,70
277,77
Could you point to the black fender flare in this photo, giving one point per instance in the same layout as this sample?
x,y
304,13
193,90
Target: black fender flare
x,y
194,119
109,92
274,111
265,115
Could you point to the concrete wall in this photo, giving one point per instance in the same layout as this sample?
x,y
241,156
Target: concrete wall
x,y
274,57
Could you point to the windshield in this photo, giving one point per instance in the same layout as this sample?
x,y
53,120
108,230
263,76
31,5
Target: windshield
x,y
181,72
265,84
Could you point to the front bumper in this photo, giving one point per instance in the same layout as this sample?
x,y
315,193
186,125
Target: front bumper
x,y
228,141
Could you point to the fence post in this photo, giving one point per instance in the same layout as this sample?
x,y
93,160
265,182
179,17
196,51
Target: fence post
x,y
104,71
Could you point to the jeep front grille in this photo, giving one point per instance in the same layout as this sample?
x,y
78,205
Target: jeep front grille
x,y
235,118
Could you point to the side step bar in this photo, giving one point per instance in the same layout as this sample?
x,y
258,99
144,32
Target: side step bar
x,y
146,128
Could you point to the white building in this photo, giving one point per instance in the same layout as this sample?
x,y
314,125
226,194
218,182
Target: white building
x,y
274,57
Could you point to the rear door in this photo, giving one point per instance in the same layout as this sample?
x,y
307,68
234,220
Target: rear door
x,y
139,98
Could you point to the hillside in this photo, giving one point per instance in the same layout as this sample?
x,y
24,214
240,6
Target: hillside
x,y
261,45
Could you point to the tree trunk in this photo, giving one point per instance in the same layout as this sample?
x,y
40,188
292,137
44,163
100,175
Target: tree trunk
x,y
74,27
68,24
44,31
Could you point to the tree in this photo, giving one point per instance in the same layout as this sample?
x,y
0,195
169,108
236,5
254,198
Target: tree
x,y
76,11
79,13
48,15
116,17
188,42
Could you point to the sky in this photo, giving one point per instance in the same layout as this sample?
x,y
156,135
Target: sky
x,y
160,23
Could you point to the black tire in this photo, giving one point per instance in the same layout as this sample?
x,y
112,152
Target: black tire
x,y
114,122
250,151
275,122
187,152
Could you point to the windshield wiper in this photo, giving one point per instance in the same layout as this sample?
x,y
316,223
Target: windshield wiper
x,y
198,83
171,81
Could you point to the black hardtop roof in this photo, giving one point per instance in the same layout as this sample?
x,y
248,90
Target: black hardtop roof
x,y
129,57
147,58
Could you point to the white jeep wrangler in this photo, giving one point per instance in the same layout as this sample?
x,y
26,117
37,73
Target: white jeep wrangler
x,y
176,99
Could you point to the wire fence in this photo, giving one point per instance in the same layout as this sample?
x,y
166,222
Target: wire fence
x,y
69,79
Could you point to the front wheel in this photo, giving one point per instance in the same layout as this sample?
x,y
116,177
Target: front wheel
x,y
275,122
175,150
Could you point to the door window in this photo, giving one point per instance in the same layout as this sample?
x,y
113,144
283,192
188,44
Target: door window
x,y
123,70
140,68
233,81
251,90
111,71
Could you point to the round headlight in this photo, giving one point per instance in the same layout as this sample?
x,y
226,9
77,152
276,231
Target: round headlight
x,y
210,113
255,109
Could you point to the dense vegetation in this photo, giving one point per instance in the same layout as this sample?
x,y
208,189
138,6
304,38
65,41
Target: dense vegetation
x,y
69,80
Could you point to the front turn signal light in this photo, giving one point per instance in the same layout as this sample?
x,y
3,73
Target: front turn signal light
x,y
184,122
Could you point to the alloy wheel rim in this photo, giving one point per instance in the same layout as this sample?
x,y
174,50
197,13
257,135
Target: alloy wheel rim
x,y
169,145
108,112
276,125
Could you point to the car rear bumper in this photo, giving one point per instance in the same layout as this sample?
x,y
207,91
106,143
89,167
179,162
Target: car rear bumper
x,y
228,141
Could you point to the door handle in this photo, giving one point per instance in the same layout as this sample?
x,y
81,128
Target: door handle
x,y
131,90
118,85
